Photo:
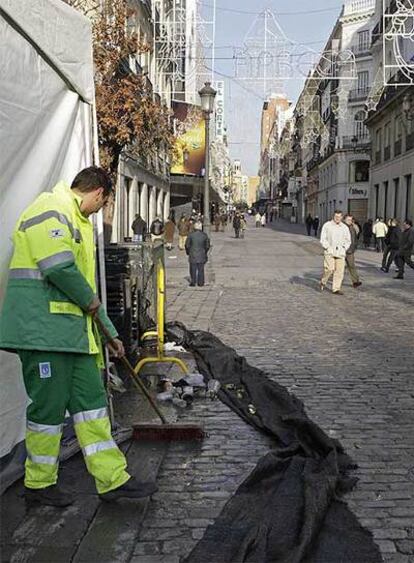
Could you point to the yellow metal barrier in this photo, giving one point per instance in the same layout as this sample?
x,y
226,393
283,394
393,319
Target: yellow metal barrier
x,y
159,334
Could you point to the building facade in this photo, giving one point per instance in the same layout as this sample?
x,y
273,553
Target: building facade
x,y
331,142
391,125
275,112
143,183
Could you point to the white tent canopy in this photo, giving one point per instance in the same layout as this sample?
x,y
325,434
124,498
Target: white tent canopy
x,y
46,95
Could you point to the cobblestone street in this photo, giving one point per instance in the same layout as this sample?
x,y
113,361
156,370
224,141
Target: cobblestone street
x,y
347,357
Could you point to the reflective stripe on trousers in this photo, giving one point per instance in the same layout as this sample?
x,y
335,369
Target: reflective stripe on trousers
x,y
42,445
103,458
86,416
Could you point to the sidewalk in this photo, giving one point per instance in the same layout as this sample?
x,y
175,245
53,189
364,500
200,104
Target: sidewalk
x,y
348,358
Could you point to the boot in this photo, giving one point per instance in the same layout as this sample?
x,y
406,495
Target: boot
x,y
50,496
131,489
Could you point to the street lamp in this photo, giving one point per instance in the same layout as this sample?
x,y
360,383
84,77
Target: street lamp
x,y
207,95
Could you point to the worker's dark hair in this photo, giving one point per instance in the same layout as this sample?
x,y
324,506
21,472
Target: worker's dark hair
x,y
408,222
91,178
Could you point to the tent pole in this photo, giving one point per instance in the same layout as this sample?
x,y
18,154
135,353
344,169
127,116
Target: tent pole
x,y
99,229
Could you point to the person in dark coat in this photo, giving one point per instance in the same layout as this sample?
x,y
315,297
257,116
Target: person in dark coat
x,y
405,250
157,229
392,244
315,225
139,227
367,233
237,225
309,223
197,246
350,253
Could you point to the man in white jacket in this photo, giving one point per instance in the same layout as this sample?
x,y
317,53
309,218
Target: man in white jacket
x,y
335,239
380,231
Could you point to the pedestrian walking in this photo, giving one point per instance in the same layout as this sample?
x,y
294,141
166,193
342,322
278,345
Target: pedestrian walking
x,y
48,319
169,232
171,216
309,223
263,220
379,231
183,231
139,227
157,229
315,225
217,221
223,221
197,246
237,225
243,225
367,233
258,220
335,240
392,245
350,253
405,250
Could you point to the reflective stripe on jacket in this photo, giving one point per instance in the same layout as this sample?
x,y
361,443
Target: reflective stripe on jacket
x,y
52,279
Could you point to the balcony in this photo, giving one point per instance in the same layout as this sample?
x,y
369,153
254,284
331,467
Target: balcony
x,y
356,142
397,147
359,94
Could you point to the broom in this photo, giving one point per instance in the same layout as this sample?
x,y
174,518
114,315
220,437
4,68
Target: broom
x,y
164,432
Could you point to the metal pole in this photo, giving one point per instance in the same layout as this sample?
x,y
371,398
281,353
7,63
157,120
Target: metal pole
x,y
207,177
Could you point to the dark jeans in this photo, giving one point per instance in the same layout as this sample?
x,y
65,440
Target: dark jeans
x,y
308,229
388,257
401,259
380,244
197,274
237,233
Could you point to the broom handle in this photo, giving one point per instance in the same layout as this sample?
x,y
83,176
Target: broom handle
x,y
131,372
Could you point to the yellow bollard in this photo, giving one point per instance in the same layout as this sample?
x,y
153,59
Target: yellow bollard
x,y
159,334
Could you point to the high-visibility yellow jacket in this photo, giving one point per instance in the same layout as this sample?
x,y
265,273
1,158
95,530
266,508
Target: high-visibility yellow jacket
x,y
52,279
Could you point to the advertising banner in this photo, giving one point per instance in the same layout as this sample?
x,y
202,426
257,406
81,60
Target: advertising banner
x,y
190,151
220,110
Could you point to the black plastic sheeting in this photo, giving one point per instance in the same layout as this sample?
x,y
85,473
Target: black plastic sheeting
x,y
288,510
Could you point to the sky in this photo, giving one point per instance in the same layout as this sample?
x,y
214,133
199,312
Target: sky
x,y
309,29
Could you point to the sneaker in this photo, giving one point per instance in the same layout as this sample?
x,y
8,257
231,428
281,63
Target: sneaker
x,y
357,284
383,269
398,277
131,489
339,292
50,496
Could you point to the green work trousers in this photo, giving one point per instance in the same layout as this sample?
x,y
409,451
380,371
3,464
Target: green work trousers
x,y
57,382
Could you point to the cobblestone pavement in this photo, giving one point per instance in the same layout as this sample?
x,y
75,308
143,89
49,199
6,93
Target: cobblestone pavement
x,y
349,358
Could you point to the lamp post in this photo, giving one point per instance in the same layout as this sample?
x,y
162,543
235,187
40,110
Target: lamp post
x,y
207,95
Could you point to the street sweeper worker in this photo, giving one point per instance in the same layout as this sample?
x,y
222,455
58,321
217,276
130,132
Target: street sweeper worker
x,y
48,319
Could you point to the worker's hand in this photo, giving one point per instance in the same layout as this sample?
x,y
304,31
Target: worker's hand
x,y
94,306
116,348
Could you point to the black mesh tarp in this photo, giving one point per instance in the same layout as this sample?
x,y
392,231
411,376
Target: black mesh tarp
x,y
289,509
